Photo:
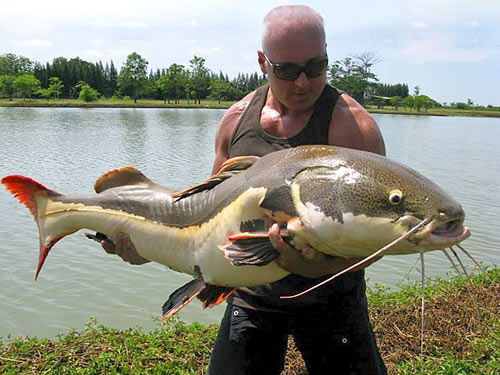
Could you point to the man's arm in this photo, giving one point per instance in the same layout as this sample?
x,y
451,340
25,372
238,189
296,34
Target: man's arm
x,y
226,129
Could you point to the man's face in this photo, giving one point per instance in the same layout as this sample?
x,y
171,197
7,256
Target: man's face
x,y
298,48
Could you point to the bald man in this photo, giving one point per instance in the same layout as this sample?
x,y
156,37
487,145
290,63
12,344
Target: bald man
x,y
330,325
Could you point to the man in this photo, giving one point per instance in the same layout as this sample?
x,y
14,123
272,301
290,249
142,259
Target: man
x,y
330,325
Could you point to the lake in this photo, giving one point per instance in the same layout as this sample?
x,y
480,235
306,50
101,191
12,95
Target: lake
x,y
68,149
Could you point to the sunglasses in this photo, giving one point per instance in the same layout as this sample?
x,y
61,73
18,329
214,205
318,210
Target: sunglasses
x,y
291,71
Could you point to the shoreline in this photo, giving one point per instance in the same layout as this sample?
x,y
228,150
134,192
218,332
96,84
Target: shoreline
x,y
455,341
209,104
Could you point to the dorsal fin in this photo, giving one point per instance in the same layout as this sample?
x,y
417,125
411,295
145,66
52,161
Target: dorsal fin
x,y
238,163
126,175
228,169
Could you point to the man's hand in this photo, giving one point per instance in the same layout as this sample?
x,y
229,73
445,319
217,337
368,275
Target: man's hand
x,y
123,247
308,262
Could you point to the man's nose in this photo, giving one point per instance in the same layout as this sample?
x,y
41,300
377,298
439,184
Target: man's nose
x,y
302,80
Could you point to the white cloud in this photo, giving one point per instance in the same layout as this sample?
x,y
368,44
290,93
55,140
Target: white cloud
x,y
32,43
193,23
206,51
123,25
438,48
420,25
474,24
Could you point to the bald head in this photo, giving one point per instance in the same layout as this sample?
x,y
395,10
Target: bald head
x,y
285,23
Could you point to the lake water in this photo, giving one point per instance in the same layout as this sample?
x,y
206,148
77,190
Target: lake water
x,y
68,149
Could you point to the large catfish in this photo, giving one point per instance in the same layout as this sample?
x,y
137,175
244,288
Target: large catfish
x,y
339,201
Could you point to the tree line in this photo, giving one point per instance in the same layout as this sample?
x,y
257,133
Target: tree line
x,y
66,78
77,78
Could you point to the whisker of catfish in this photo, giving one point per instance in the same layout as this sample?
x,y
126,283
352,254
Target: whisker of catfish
x,y
411,269
422,265
452,262
470,257
472,288
363,261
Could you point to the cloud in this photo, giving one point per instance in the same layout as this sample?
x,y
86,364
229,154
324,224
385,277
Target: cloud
x,y
420,25
32,43
193,23
123,25
439,48
206,51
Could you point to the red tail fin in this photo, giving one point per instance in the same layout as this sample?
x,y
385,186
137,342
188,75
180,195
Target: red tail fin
x,y
25,190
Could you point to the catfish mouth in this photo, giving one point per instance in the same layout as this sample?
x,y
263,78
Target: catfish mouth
x,y
443,233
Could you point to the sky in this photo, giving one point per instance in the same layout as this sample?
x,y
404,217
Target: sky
x,y
450,49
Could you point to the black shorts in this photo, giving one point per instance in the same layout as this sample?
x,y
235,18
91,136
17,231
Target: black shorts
x,y
255,342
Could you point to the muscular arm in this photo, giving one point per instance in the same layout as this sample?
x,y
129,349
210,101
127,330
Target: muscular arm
x,y
226,129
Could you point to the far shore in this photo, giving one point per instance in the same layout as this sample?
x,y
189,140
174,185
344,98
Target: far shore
x,y
214,104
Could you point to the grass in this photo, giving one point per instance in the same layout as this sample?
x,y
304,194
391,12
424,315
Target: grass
x,y
456,342
112,103
143,103
435,111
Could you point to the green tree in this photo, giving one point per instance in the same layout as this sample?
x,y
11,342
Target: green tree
x,y
408,101
353,75
178,77
55,87
396,101
87,93
14,65
220,89
7,85
199,79
26,84
133,74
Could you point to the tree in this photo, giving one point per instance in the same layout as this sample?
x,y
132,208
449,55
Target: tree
x,y
7,85
352,77
220,89
26,84
416,91
11,64
133,74
408,101
87,93
55,87
199,79
396,101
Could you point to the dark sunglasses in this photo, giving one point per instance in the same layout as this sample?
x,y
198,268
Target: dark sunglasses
x,y
291,71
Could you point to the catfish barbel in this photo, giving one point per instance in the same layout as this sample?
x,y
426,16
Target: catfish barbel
x,y
339,201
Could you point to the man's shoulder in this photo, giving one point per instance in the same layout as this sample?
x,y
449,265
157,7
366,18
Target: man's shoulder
x,y
352,126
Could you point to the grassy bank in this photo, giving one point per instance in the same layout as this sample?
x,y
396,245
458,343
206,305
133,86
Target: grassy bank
x,y
456,342
109,103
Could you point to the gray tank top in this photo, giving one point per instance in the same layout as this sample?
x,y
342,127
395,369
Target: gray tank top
x,y
345,293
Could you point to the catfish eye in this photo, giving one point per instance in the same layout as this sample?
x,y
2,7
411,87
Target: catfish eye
x,y
395,197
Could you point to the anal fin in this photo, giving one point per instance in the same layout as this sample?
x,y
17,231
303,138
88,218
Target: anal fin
x,y
209,295
181,297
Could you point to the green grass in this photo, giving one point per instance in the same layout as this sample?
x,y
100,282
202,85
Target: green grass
x,y
112,103
143,103
435,111
456,342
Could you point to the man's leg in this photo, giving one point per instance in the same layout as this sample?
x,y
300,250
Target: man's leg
x,y
333,344
249,342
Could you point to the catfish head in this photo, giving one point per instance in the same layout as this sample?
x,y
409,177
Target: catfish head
x,y
353,204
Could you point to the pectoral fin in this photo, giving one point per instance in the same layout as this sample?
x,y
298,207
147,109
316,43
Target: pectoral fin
x,y
250,249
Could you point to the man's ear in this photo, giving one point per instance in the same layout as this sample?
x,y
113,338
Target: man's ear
x,y
262,62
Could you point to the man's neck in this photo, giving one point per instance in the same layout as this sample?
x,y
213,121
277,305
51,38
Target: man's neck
x,y
281,121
